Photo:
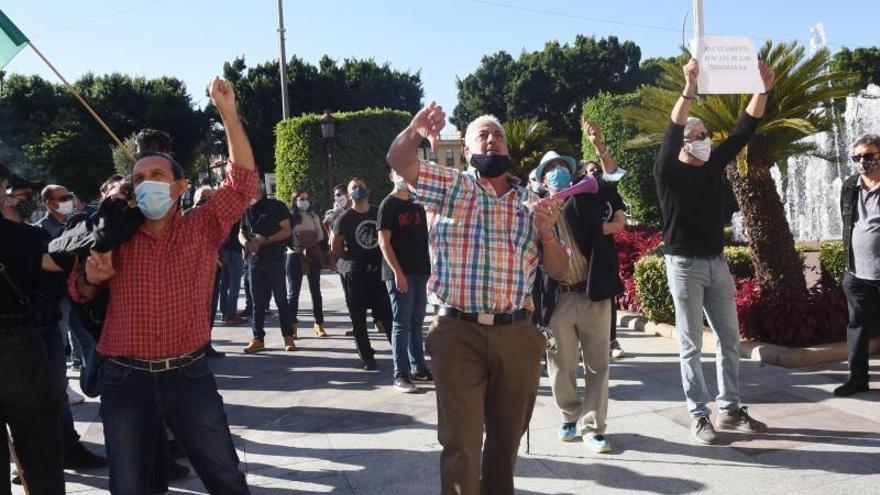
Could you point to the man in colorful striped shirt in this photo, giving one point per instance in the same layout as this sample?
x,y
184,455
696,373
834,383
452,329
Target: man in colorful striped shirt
x,y
485,248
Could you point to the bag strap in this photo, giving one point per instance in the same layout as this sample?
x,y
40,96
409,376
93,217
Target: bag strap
x,y
23,299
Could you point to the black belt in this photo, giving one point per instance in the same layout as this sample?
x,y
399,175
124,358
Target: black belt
x,y
578,287
490,319
161,364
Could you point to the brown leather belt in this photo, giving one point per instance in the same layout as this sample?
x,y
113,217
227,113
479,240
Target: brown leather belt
x,y
578,287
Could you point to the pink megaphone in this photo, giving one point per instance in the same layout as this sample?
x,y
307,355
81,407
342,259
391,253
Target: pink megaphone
x,y
588,185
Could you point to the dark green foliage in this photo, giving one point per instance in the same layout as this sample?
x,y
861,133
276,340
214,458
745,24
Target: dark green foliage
x,y
739,260
50,136
863,61
550,84
353,85
362,140
832,259
637,187
653,289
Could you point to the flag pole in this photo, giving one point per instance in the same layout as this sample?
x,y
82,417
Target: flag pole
x,y
698,19
73,91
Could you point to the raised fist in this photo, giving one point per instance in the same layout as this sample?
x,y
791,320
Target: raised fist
x,y
222,95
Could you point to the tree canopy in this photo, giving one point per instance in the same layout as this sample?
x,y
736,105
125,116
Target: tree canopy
x,y
46,133
863,61
551,84
350,86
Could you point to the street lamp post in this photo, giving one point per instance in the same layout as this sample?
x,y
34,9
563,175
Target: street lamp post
x,y
285,106
328,132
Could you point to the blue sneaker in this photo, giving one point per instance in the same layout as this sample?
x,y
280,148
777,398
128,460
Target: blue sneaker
x,y
598,444
568,432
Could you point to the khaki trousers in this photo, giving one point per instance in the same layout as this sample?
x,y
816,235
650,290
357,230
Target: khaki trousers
x,y
579,322
486,376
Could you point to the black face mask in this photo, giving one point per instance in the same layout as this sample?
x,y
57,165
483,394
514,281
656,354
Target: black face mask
x,y
491,165
26,207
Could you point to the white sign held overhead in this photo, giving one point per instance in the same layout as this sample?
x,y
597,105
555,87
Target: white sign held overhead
x,y
728,65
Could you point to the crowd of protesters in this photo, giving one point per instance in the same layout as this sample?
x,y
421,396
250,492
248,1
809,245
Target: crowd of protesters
x,y
516,275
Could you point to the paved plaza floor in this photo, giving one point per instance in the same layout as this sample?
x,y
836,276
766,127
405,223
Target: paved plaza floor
x,y
311,422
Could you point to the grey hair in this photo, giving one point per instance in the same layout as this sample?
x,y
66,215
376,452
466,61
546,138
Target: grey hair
x,y
201,192
691,123
482,119
869,139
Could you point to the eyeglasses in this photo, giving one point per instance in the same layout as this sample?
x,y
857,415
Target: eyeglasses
x,y
66,197
868,157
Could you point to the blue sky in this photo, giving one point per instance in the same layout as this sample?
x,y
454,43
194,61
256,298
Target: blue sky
x,y
190,39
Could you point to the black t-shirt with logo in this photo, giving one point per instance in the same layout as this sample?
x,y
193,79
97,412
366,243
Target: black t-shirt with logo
x,y
361,239
264,218
409,236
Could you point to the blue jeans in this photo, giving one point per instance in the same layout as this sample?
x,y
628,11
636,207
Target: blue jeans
x,y
699,284
230,282
266,280
135,403
408,312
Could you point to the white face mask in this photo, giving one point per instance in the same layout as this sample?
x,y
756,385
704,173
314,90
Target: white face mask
x,y
399,183
65,207
701,150
303,205
253,201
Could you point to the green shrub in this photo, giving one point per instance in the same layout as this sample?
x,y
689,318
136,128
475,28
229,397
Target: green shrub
x,y
362,140
739,259
832,260
637,187
653,289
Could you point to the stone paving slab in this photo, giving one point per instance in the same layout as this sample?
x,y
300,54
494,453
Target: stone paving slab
x,y
312,422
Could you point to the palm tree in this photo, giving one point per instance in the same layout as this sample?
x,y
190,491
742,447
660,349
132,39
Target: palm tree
x,y
797,107
528,140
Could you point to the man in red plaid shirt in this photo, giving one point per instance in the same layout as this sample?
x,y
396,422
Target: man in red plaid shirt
x,y
156,327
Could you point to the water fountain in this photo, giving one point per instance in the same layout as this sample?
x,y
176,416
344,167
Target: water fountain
x,y
811,189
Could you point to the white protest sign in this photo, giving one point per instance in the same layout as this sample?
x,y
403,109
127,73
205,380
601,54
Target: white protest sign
x,y
728,65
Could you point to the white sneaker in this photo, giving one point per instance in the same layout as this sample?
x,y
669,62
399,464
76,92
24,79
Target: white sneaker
x,y
616,351
73,397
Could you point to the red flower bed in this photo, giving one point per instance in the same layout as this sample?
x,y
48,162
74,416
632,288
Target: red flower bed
x,y
784,319
633,243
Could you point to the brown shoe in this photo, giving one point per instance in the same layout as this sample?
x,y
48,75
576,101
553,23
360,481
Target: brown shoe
x,y
256,345
289,344
319,330
234,320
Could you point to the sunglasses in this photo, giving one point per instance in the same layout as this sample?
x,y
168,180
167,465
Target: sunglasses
x,y
700,137
868,157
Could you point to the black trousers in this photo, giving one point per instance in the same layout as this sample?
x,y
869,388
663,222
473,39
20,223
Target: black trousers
x,y
365,290
863,302
31,408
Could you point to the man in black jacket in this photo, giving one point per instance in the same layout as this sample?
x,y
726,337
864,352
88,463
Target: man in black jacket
x,y
690,184
577,308
860,209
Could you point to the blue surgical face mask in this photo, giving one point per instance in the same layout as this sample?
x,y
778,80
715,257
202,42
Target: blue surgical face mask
x,y
303,204
558,179
153,198
358,193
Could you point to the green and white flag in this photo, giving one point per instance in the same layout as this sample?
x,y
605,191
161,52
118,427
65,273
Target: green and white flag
x,y
11,40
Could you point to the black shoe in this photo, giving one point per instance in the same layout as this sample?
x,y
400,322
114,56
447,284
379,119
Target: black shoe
x,y
78,457
370,365
851,387
247,313
349,333
214,353
16,480
176,471
422,376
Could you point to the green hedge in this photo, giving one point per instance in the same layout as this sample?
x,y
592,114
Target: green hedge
x,y
832,259
739,259
653,289
637,187
362,140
